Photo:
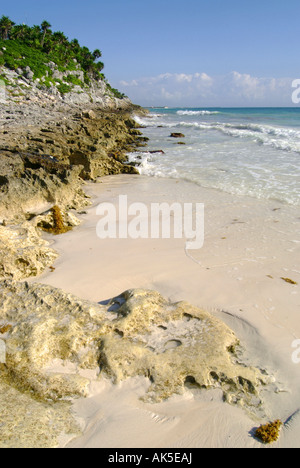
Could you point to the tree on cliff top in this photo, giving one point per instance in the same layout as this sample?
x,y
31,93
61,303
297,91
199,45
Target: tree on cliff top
x,y
54,45
5,26
45,26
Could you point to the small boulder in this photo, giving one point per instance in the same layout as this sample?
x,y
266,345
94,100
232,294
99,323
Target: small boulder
x,y
90,114
177,135
29,73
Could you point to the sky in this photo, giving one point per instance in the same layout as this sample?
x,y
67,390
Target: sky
x,y
183,53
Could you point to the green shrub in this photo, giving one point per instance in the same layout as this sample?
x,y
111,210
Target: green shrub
x,y
64,88
18,55
74,80
4,79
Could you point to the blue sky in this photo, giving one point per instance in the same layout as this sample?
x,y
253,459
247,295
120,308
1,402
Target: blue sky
x,y
185,53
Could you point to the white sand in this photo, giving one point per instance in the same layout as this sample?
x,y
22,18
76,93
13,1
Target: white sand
x,y
249,245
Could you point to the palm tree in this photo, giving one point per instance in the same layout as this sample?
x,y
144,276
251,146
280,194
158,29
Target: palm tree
x,y
99,66
21,31
86,53
59,37
5,26
44,26
75,45
34,37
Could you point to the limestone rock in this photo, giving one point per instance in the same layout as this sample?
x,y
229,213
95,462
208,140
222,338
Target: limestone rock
x,y
137,334
23,253
40,89
89,114
31,184
28,423
176,345
29,73
44,157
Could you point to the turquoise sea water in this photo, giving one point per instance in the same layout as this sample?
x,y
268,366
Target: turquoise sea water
x,y
245,151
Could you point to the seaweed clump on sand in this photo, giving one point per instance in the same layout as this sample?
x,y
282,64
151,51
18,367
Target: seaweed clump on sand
x,y
59,226
290,281
4,329
269,433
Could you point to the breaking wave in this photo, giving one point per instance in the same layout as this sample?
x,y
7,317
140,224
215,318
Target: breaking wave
x,y
200,112
247,152
278,138
284,139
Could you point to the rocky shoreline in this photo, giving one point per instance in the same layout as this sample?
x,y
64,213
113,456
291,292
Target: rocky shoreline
x,y
47,152
40,147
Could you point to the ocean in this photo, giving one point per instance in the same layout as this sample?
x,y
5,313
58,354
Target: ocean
x,y
244,151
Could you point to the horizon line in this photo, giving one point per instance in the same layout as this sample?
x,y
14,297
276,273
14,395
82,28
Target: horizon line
x,y
222,107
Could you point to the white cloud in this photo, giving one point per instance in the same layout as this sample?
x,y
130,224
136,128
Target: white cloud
x,y
204,77
129,83
182,77
200,89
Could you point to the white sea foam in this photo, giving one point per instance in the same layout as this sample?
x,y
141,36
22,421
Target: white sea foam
x,y
237,153
278,138
200,112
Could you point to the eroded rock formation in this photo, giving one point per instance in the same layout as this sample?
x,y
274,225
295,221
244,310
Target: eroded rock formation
x,y
138,333
47,162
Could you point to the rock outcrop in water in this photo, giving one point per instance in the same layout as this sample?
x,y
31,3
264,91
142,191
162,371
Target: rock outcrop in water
x,y
138,333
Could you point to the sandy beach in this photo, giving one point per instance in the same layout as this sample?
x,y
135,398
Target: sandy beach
x,y
249,246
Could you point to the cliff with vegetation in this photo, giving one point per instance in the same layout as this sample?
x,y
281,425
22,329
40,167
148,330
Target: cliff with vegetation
x,y
52,65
